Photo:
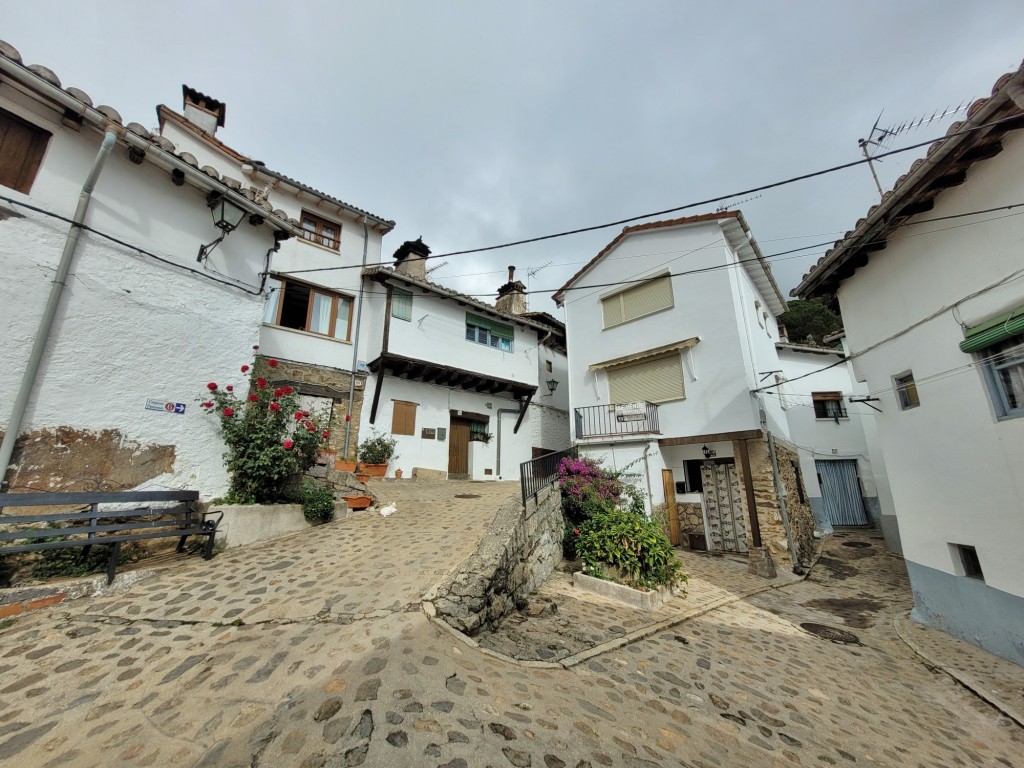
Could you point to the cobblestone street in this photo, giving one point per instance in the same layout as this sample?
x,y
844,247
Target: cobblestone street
x,y
313,651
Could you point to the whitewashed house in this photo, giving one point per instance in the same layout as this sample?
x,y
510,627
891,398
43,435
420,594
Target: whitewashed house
x,y
930,287
831,423
672,335
313,319
102,391
462,385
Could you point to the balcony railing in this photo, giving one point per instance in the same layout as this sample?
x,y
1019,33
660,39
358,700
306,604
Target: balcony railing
x,y
618,420
536,475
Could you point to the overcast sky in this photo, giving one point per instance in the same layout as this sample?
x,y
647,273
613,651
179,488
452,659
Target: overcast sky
x,y
473,123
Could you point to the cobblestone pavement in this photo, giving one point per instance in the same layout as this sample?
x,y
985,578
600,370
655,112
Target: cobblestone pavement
x,y
330,663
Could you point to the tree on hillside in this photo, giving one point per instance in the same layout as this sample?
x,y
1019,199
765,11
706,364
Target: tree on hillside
x,y
809,321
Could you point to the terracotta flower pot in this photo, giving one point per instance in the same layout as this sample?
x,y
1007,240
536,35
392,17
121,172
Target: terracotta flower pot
x,y
398,473
375,470
362,477
345,466
358,501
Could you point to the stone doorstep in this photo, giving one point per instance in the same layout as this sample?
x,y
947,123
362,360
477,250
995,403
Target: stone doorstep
x,y
650,600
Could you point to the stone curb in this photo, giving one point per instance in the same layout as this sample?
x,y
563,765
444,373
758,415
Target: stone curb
x,y
967,681
16,601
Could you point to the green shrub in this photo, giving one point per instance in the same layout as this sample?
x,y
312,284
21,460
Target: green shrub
x,y
626,547
377,449
317,502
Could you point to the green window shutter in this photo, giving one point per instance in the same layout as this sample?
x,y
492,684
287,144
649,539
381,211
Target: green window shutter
x,y
655,381
994,331
612,309
500,330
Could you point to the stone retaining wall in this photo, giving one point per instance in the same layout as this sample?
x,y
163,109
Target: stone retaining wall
x,y
520,549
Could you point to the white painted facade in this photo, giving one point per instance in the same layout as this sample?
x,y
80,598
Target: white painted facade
x,y
130,327
826,439
718,303
975,500
436,333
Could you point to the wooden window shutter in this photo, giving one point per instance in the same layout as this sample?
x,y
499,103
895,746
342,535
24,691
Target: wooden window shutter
x,y
403,418
22,146
655,381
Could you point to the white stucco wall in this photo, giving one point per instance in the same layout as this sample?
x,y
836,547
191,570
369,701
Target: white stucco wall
x,y
437,332
823,439
434,407
954,468
717,371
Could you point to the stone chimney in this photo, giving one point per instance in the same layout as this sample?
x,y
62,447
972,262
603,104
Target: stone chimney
x,y
512,296
203,110
411,259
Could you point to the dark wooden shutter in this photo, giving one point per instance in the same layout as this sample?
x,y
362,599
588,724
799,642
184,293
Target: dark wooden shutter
x,y
21,152
403,418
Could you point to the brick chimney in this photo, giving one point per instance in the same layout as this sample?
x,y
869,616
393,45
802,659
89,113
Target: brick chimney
x,y
202,110
411,259
512,296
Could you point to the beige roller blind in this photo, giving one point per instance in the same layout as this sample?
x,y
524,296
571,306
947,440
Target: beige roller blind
x,y
640,300
655,381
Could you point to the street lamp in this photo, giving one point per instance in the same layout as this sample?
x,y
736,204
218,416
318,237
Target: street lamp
x,y
552,386
226,217
709,453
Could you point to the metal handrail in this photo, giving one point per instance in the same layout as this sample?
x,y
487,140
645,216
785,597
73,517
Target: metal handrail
x,y
538,474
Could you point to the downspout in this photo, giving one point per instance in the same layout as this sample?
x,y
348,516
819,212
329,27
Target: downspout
x,y
355,343
28,379
497,467
647,476
779,492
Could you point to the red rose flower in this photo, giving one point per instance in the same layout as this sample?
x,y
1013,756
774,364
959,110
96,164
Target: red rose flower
x,y
287,390
255,346
311,428
576,531
278,392
308,425
212,386
261,383
272,363
326,434
229,411
287,445
254,398
275,407
229,388
347,417
245,369
208,404
298,415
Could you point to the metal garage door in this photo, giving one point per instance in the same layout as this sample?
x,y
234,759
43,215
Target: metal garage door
x,y
840,492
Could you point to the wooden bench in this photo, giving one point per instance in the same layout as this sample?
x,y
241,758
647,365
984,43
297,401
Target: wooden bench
x,y
176,514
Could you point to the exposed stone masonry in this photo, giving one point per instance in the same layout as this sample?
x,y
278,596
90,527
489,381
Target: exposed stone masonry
x,y
520,549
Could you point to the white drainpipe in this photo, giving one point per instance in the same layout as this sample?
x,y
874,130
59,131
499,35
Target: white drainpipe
x,y
28,379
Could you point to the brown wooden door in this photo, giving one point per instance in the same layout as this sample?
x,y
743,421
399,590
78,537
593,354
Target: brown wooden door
x,y
458,447
669,485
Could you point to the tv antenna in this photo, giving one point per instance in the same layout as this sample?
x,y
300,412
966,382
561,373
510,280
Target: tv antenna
x,y
727,205
532,271
881,138
437,267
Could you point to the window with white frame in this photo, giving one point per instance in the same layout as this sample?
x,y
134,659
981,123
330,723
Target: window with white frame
x,y
308,308
489,333
637,301
655,380
906,391
1003,365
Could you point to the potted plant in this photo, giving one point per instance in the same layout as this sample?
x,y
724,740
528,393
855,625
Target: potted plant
x,y
375,452
347,464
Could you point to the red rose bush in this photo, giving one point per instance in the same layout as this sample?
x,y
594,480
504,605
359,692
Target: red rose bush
x,y
269,438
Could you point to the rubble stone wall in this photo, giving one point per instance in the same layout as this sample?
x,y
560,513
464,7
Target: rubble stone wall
x,y
769,514
520,549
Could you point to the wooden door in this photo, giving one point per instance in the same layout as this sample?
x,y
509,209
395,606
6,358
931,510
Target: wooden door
x,y
669,485
726,525
458,449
